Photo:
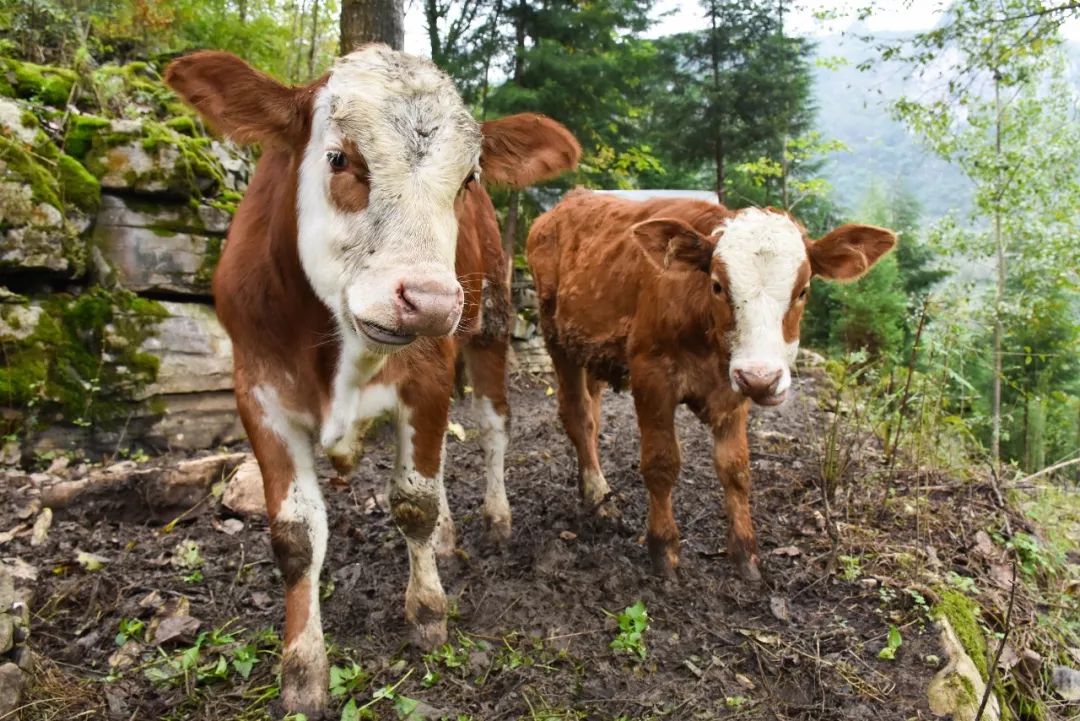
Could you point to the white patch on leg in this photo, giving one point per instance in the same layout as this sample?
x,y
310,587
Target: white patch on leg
x,y
353,400
594,488
494,440
302,505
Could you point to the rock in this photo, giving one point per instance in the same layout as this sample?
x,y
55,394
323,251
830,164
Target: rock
x,y
7,590
531,356
809,359
166,247
7,633
12,683
192,421
244,491
958,688
1067,683
194,350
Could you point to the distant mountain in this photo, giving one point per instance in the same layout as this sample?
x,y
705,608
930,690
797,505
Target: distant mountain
x,y
853,108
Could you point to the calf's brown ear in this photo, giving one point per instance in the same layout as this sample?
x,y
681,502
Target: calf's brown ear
x,y
849,251
672,244
522,149
241,102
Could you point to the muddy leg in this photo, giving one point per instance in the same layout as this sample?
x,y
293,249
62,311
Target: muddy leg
x,y
418,503
578,416
486,359
660,462
731,457
282,440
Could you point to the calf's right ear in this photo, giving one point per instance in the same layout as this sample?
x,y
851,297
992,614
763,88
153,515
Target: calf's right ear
x,y
672,244
241,102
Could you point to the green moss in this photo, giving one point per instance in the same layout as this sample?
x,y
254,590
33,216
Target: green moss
x,y
49,85
19,164
183,124
79,187
205,274
228,201
82,363
963,614
80,134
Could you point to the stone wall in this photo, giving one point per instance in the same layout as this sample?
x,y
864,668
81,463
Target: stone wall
x,y
114,203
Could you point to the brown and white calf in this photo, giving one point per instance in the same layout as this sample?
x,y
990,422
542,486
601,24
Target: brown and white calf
x,y
697,304
362,245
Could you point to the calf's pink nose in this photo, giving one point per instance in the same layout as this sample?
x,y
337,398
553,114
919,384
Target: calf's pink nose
x,y
758,382
428,306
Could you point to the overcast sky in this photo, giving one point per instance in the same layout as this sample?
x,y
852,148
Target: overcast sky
x,y
679,15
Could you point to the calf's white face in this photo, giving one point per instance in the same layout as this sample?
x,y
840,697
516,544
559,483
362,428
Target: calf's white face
x,y
384,150
759,264
391,148
764,257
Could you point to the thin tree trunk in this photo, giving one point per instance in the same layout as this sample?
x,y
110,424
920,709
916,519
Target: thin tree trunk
x,y
370,21
431,14
509,239
718,145
999,295
487,60
314,38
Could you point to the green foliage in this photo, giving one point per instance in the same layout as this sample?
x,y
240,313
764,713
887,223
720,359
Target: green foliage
x,y
892,645
129,628
633,622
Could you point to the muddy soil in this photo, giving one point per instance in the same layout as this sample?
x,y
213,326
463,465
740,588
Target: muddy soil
x,y
531,623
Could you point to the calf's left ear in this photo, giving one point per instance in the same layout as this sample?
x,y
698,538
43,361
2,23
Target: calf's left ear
x,y
522,149
671,243
849,251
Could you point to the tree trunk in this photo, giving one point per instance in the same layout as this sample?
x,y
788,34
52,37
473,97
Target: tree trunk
x,y
370,21
718,147
314,40
999,296
509,239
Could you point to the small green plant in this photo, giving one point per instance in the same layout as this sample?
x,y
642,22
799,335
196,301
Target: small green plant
x,y
964,583
633,622
129,628
344,680
850,568
892,645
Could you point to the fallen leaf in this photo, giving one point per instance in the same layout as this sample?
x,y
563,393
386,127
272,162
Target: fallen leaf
x,y
549,391
173,628
20,569
6,536
41,527
125,656
261,600
232,526
745,682
90,561
780,608
567,535
456,430
790,551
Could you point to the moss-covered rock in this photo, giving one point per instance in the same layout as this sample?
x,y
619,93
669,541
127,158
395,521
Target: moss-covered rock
x,y
76,360
81,130
49,85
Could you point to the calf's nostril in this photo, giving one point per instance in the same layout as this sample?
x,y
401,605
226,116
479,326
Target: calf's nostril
x,y
407,304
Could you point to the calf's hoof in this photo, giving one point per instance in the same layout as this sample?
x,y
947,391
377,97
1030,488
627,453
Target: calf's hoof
x,y
496,529
304,687
664,556
430,634
749,569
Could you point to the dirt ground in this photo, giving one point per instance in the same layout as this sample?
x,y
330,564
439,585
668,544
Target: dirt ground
x,y
531,623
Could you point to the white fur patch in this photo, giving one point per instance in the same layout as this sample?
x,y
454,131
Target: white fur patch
x,y
762,252
493,439
420,143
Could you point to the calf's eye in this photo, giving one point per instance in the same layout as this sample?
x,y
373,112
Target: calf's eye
x,y
717,288
337,159
805,292
470,181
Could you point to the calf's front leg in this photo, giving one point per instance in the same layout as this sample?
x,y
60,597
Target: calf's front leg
x,y
731,457
282,440
418,506
660,462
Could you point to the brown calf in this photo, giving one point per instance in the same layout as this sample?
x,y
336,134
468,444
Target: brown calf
x,y
362,246
697,304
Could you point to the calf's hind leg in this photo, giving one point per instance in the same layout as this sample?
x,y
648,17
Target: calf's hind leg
x,y
486,360
282,441
579,414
